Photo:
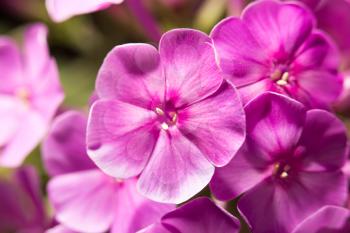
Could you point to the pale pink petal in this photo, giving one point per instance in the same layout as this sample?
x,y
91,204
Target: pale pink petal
x,y
216,125
61,10
135,211
84,201
10,65
120,137
36,52
176,171
190,68
60,229
30,132
132,73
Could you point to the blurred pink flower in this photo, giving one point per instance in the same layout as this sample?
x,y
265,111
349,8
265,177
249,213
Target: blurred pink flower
x,y
275,46
83,197
289,167
30,94
21,204
167,116
61,10
197,216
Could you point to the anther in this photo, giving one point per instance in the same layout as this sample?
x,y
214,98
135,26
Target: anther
x,y
164,126
159,111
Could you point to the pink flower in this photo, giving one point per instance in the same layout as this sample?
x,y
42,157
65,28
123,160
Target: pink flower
x,y
166,116
289,167
30,94
197,216
274,46
61,10
84,198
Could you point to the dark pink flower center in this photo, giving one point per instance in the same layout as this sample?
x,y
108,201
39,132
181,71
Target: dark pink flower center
x,y
23,94
281,170
166,118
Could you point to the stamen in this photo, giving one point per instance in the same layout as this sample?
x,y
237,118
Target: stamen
x,y
173,116
284,79
22,93
159,111
276,75
284,175
164,126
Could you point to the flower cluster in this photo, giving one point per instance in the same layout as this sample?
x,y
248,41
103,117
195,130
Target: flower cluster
x,y
235,131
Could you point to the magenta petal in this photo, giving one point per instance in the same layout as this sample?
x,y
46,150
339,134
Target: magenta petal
x,y
279,27
61,10
201,215
324,142
84,201
132,73
176,171
244,171
216,125
317,51
134,211
120,137
296,200
10,65
155,228
190,67
64,149
323,87
274,123
329,219
240,56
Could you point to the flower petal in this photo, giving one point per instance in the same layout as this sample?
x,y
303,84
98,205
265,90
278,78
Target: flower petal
x,y
120,137
201,215
10,65
267,204
61,10
216,125
274,123
84,201
323,87
279,27
36,52
134,211
60,229
240,56
64,149
132,73
243,172
176,171
326,219
190,68
29,133
324,141
318,51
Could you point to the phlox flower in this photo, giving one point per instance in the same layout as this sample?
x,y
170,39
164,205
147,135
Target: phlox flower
x,y
166,116
289,166
84,198
274,46
197,216
30,94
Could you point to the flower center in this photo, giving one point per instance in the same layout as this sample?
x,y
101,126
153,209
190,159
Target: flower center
x,y
166,118
281,170
280,78
23,94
